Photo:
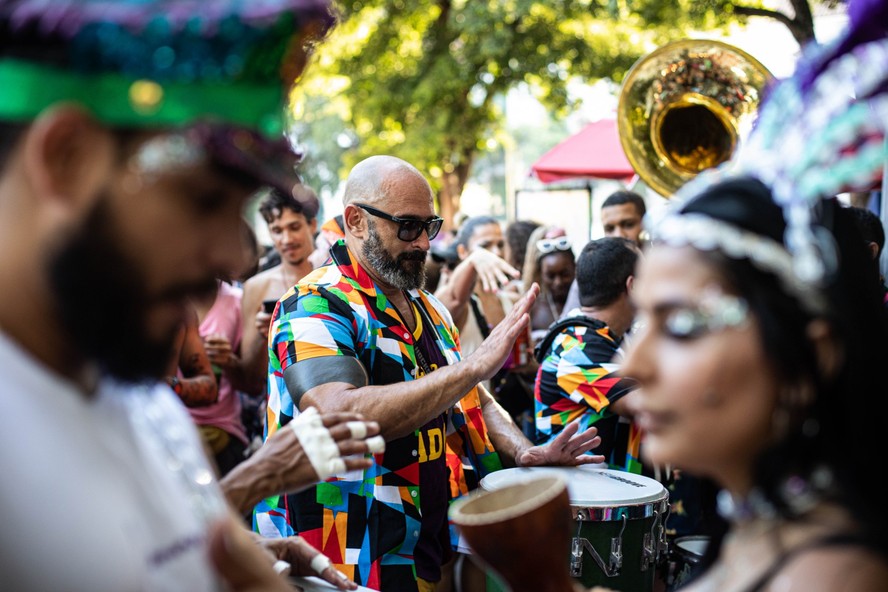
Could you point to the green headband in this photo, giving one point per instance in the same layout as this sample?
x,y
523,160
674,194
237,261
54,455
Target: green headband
x,y
29,88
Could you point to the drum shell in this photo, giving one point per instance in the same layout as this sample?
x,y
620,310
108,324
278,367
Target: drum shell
x,y
685,555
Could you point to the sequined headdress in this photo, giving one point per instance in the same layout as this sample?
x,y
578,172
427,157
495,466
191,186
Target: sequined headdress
x,y
165,64
819,133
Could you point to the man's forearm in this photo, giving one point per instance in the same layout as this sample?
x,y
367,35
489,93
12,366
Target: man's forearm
x,y
401,407
247,484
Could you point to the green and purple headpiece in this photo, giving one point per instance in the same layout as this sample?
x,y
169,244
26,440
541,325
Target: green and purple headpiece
x,y
219,70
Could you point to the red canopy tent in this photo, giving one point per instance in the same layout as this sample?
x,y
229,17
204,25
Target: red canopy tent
x,y
593,152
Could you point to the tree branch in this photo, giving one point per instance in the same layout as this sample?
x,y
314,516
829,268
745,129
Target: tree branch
x,y
800,32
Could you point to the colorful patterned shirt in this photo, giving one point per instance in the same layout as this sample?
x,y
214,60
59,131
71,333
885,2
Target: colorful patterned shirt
x,y
578,379
369,523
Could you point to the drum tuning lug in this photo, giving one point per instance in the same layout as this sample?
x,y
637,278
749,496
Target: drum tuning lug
x,y
648,553
576,558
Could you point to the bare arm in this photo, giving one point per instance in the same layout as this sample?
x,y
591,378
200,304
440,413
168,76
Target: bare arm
x,y
197,387
481,265
400,408
281,465
254,342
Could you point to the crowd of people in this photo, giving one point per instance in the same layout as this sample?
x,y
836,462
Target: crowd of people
x,y
182,413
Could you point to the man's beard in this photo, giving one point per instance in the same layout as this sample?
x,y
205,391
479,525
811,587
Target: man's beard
x,y
405,272
102,302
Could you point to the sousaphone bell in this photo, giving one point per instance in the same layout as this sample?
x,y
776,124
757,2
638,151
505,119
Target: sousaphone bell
x,y
684,107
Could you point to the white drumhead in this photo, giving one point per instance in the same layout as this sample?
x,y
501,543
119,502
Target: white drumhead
x,y
695,545
588,487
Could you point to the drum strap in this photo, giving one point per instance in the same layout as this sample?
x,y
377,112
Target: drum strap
x,y
785,558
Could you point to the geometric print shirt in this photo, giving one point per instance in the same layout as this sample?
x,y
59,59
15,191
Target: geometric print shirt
x,y
578,380
369,522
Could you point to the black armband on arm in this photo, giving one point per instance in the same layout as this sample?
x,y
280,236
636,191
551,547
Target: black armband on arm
x,y
307,374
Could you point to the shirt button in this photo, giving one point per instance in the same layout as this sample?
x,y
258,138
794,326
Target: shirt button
x,y
416,533
406,335
412,494
413,452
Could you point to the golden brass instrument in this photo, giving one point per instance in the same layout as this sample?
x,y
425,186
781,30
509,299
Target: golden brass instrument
x,y
684,107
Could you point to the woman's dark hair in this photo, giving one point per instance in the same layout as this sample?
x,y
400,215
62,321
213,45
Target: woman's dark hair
x,y
467,228
843,422
517,235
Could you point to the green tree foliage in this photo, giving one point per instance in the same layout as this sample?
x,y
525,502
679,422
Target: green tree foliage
x,y
419,78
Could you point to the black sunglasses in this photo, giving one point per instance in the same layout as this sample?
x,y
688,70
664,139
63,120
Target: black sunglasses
x,y
409,229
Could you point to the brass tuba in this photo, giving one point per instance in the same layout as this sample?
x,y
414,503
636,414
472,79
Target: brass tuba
x,y
683,108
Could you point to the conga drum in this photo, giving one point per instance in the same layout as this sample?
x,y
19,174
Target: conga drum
x,y
520,532
618,538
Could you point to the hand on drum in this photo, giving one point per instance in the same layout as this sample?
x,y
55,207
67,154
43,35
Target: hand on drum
x,y
568,449
304,560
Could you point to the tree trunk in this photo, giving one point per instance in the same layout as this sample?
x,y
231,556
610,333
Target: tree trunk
x,y
801,25
451,189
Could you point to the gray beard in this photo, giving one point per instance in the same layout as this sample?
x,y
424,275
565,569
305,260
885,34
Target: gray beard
x,y
404,272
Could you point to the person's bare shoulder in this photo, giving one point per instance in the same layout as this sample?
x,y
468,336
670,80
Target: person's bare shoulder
x,y
832,569
264,285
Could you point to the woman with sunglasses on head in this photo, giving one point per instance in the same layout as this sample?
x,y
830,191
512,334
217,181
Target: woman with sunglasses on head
x,y
761,359
550,262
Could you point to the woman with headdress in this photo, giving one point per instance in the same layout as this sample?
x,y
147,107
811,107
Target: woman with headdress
x,y
760,357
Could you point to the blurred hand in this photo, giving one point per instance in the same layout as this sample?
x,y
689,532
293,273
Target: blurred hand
x,y
492,271
281,465
241,563
219,350
299,554
493,351
263,323
568,449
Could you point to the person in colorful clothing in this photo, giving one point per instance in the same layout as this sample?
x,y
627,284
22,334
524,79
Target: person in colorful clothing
x,y
579,375
361,334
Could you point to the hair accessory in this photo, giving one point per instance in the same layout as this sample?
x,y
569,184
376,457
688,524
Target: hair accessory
x,y
154,63
550,245
819,133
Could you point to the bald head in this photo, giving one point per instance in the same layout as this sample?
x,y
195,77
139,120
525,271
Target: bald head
x,y
373,180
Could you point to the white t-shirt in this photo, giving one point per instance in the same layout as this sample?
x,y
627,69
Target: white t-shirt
x,y
106,493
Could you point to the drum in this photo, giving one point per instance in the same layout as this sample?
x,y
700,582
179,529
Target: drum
x,y
687,552
618,539
503,527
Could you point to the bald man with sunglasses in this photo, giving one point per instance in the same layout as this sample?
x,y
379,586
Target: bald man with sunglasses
x,y
361,334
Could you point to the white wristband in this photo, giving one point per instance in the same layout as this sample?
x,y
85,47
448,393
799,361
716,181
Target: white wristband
x,y
319,447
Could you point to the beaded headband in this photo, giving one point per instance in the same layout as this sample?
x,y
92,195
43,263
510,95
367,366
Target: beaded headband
x,y
818,133
217,71
161,62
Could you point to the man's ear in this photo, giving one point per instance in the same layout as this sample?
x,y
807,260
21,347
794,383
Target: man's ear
x,y
461,251
830,355
67,155
630,284
354,221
